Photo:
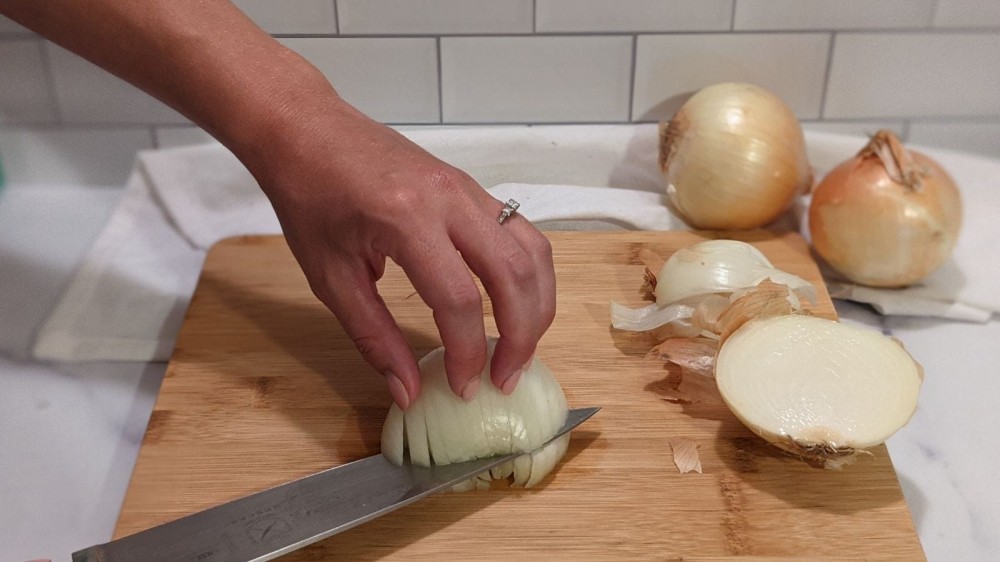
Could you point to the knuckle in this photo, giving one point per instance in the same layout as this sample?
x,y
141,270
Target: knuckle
x,y
471,356
447,178
521,268
403,195
400,199
323,291
547,314
520,342
542,247
367,345
463,298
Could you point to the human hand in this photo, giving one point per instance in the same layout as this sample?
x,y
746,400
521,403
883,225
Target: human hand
x,y
350,192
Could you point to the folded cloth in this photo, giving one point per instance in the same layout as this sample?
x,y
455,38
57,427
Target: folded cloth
x,y
127,300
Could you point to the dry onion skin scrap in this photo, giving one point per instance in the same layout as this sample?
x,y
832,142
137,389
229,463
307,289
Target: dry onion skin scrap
x,y
814,387
440,428
733,157
887,217
696,285
818,388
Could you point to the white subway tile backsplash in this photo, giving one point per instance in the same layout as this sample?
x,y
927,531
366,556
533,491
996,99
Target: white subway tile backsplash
x,y
170,137
291,16
392,80
855,128
87,94
542,79
889,75
417,17
967,13
928,68
824,14
632,15
977,138
669,68
76,156
24,91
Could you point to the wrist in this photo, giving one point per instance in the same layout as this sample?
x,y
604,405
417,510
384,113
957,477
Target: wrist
x,y
279,113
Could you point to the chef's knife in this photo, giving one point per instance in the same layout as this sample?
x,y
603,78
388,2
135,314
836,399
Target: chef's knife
x,y
279,520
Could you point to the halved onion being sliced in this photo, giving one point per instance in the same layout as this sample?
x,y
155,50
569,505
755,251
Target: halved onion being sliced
x,y
816,387
440,428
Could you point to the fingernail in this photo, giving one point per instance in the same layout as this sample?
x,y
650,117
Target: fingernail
x,y
398,391
511,383
470,389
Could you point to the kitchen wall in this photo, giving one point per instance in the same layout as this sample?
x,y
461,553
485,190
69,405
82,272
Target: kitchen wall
x,y
930,69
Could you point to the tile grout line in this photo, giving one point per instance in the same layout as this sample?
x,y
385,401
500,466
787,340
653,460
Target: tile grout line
x,y
732,17
934,13
941,31
50,81
826,75
534,16
336,17
440,80
153,137
987,119
631,80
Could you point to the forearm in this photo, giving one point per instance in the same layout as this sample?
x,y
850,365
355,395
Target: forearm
x,y
349,193
204,58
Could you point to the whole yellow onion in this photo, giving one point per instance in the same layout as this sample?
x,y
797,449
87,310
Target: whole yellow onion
x,y
733,157
887,217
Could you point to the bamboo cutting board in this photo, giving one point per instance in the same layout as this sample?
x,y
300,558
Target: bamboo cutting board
x,y
264,387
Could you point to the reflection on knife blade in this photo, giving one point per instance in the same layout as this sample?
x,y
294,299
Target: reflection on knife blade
x,y
285,518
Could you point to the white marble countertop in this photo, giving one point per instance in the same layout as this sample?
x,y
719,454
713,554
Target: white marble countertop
x,y
69,433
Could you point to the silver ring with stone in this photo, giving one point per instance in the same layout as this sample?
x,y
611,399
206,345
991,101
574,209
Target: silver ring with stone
x,y
509,209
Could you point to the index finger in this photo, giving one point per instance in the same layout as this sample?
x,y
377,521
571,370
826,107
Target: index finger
x,y
514,262
443,281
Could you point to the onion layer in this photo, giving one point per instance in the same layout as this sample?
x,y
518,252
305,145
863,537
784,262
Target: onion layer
x,y
733,157
440,428
720,266
887,217
700,282
815,387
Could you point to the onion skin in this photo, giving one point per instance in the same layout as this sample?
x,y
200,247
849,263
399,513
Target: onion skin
x,y
733,157
887,217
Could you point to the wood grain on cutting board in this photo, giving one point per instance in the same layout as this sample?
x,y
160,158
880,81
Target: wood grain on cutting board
x,y
264,387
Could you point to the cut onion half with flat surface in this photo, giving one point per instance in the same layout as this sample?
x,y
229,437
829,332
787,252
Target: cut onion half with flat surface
x,y
816,387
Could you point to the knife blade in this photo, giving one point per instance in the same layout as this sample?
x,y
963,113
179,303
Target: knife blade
x,y
282,519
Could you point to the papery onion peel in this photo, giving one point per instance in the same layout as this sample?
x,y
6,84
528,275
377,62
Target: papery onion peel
x,y
887,217
733,157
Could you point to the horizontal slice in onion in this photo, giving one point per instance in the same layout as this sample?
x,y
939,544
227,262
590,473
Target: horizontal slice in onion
x,y
441,428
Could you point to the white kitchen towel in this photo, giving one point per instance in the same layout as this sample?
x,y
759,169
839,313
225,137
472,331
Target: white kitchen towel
x,y
127,301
